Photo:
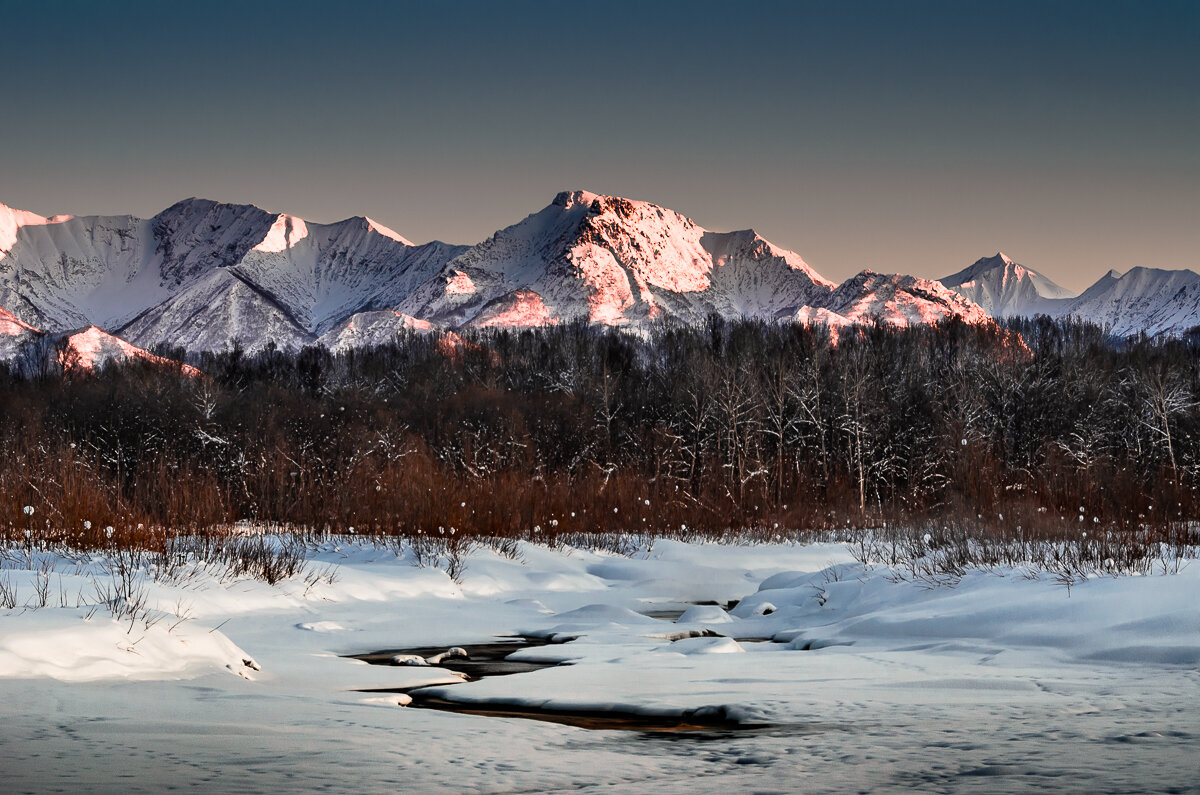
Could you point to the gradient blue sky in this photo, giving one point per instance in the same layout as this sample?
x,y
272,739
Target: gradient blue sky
x,y
907,136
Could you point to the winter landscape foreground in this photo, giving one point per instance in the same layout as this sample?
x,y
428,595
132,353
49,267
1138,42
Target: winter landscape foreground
x,y
826,675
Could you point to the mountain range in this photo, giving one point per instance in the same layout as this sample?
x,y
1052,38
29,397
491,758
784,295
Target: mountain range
x,y
1142,300
203,275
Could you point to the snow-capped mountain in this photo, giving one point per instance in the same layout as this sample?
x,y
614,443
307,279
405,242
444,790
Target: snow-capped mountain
x,y
1005,288
614,261
201,274
366,329
1147,300
895,299
91,348
86,349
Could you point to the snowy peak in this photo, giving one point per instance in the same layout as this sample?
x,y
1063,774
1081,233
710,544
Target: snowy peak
x,y
612,260
321,273
286,232
894,299
1141,300
574,198
197,235
1005,288
380,229
1149,300
91,349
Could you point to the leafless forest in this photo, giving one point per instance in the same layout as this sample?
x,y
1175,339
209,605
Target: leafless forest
x,y
1035,429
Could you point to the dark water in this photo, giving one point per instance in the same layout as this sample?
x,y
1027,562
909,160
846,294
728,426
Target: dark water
x,y
483,660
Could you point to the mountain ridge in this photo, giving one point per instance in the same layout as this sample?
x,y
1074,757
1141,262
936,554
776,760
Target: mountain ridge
x,y
1140,300
203,275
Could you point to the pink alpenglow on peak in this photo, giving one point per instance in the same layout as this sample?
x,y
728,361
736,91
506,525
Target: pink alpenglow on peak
x,y
459,283
898,300
380,229
520,309
92,348
12,326
286,232
616,261
12,220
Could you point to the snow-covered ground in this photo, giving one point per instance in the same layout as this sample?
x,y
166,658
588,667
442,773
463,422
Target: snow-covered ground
x,y
1005,681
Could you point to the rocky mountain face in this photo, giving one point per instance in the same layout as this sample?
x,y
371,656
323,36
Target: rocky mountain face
x,y
14,333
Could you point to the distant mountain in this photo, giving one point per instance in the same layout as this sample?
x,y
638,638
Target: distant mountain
x,y
1146,300
1004,288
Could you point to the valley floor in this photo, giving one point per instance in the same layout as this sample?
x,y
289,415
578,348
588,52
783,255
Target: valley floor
x,y
850,678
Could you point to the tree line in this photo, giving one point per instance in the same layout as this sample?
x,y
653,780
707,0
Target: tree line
x,y
1039,427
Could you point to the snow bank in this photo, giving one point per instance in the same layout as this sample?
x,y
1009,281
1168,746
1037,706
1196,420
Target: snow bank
x,y
63,644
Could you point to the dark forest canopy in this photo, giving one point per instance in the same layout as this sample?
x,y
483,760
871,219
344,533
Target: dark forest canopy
x,y
732,425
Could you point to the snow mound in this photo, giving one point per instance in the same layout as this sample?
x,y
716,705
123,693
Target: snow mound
x,y
706,646
62,644
321,626
518,309
704,614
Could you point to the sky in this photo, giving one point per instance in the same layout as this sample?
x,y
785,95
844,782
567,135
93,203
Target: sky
x,y
911,136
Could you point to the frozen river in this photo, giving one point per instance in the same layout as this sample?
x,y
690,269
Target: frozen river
x,y
998,684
